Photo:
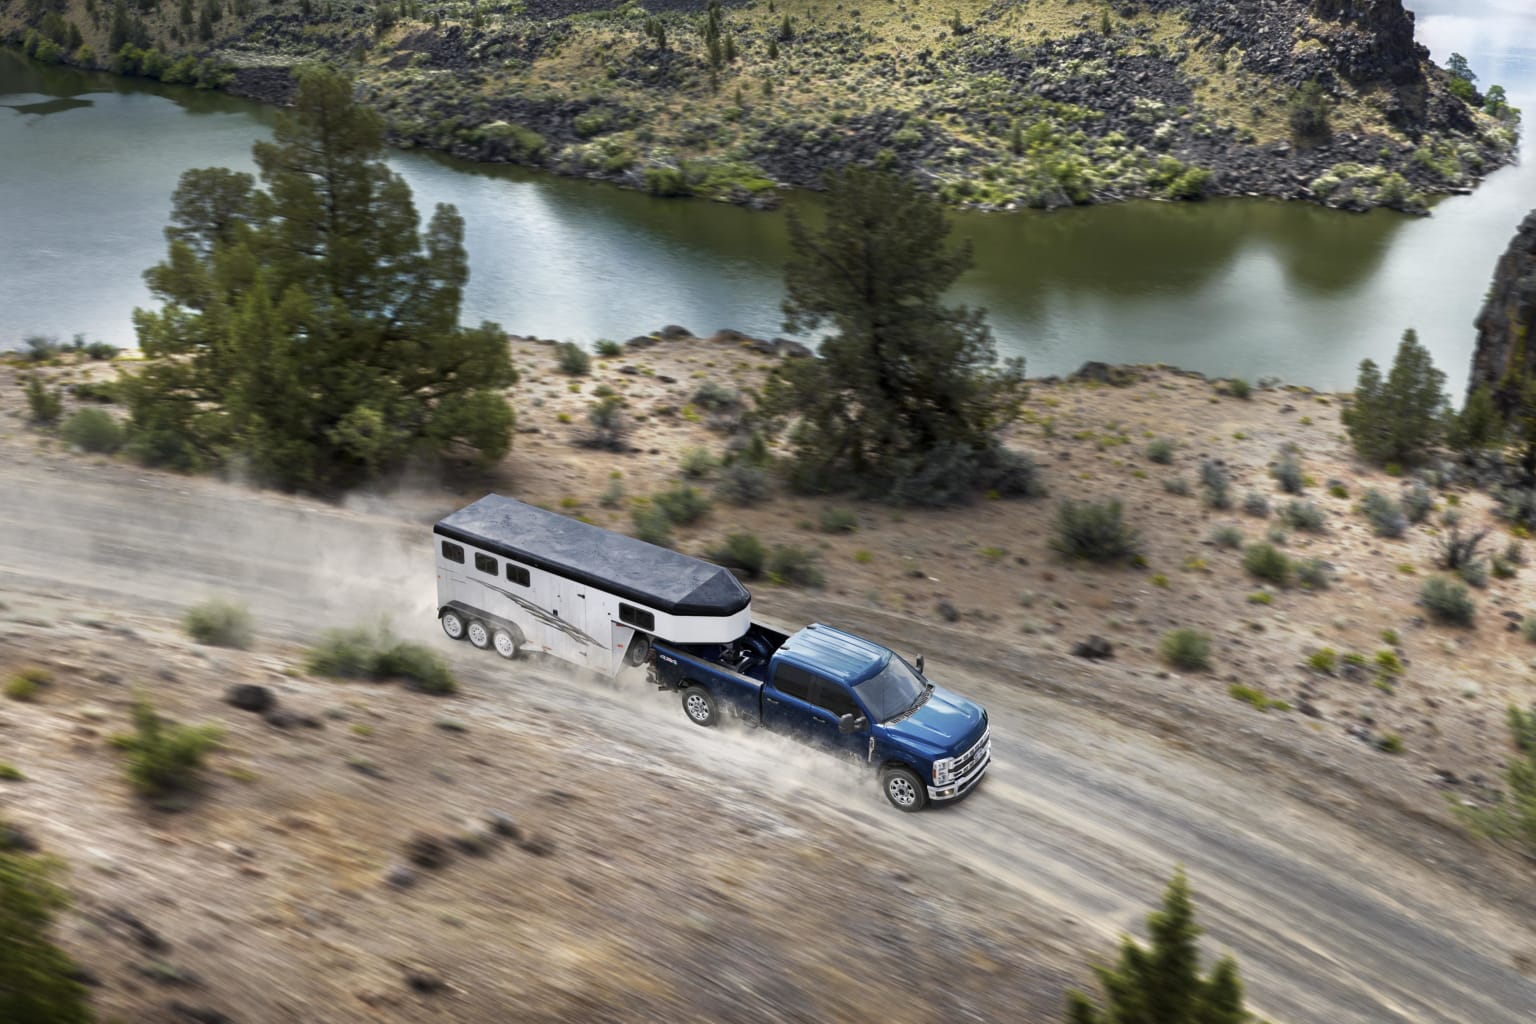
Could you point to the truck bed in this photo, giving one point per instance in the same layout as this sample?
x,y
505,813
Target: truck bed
x,y
733,672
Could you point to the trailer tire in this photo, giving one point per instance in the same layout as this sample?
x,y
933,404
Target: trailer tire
x,y
699,706
903,788
506,643
479,636
453,624
639,649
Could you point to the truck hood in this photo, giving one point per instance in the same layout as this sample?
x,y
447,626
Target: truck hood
x,y
946,724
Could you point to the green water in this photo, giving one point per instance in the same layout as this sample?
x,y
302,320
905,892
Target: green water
x,y
1239,287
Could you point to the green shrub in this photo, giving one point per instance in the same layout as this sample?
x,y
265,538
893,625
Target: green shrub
x,y
572,359
164,758
716,397
1303,515
1267,562
681,505
44,404
1263,597
698,463
101,351
93,430
23,685
1447,600
795,566
1258,698
742,484
1528,628
1237,387
1390,743
1386,516
1160,451
608,348
652,525
360,653
744,552
41,347
1177,485
219,623
39,984
1187,649
104,391
1417,502
10,773
1216,485
839,520
1324,660
1388,663
1095,531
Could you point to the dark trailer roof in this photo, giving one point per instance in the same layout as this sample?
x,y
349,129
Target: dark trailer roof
x,y
668,581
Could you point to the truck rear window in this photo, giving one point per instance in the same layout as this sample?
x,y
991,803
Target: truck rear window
x,y
453,552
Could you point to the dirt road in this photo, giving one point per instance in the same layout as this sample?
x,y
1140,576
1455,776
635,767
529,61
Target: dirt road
x,y
1346,898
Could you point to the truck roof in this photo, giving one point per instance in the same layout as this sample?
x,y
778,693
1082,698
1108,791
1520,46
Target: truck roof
x,y
830,652
656,577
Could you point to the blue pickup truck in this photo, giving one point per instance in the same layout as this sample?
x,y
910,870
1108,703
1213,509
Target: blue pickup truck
x,y
841,692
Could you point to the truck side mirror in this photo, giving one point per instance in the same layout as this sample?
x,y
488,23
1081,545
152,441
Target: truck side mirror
x,y
849,724
919,664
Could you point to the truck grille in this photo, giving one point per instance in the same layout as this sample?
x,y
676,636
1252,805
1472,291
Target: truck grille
x,y
968,760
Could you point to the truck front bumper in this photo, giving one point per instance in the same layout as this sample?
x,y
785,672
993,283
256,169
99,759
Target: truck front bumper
x,y
965,783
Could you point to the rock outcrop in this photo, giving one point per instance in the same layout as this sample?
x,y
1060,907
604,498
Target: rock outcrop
x,y
1504,355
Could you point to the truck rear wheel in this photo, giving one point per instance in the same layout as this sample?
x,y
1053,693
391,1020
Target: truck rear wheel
x,y
903,788
478,635
639,649
699,706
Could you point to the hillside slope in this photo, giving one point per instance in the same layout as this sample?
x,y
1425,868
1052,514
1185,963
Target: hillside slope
x,y
999,104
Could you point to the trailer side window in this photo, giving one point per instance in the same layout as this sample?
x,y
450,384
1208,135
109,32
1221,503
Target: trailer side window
x,y
517,574
485,563
453,552
637,617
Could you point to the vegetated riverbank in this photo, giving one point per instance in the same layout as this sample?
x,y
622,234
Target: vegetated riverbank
x,y
998,105
1302,778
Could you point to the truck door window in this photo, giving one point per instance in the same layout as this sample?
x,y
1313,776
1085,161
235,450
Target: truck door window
x,y
485,564
453,552
836,700
794,682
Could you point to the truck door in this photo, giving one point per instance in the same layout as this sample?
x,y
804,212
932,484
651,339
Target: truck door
x,y
787,701
831,701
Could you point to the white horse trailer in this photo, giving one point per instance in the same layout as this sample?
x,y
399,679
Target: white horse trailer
x,y
513,577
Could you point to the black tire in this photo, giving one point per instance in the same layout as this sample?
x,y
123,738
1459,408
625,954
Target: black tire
x,y
639,650
479,634
903,788
699,706
453,624
506,643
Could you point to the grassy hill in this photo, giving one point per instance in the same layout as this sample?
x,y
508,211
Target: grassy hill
x,y
1029,103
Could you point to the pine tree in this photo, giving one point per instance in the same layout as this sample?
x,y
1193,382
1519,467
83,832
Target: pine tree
x,y
1161,984
905,384
1401,419
311,331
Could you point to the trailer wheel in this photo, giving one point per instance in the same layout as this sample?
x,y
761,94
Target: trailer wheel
x,y
639,650
453,624
505,643
479,636
903,788
699,706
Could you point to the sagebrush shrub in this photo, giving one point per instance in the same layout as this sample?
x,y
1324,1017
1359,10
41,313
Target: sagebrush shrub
x,y
1256,504
698,463
839,520
44,404
360,653
743,484
1227,536
682,505
1267,562
1303,515
1417,502
1287,473
1386,516
219,623
1095,531
572,359
1447,600
163,757
743,551
1160,451
652,526
794,565
1313,573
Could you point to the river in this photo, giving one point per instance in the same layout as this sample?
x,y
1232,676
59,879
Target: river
x,y
1250,288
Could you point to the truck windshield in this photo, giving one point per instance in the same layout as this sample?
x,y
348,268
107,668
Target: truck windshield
x,y
891,691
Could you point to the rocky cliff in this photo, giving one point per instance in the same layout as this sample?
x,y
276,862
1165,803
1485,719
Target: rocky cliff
x,y
996,103
1504,356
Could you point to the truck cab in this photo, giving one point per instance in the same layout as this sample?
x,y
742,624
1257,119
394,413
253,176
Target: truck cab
x,y
846,694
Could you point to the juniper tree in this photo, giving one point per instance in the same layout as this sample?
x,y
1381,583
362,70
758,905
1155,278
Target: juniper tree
x,y
905,385
1161,983
1399,419
38,982
309,330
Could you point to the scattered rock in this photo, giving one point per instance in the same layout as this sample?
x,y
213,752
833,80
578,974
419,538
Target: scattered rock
x,y
947,610
198,1014
15,839
539,846
163,972
400,876
1093,647
424,981
140,932
427,851
282,718
503,825
250,697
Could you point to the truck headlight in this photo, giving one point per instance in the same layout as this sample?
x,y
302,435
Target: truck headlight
x,y
943,771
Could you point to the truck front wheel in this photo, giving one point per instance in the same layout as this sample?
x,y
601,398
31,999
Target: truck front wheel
x,y
699,706
903,788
